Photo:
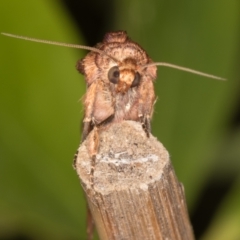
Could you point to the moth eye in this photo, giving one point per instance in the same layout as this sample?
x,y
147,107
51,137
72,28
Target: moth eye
x,y
113,75
136,80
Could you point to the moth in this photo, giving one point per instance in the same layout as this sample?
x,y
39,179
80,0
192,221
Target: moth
x,y
120,77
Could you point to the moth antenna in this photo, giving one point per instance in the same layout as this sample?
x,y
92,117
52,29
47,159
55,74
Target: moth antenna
x,y
59,44
183,69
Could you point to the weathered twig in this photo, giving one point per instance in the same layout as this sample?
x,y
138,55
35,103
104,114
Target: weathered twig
x,y
136,193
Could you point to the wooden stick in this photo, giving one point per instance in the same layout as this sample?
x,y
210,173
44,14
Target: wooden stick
x,y
136,193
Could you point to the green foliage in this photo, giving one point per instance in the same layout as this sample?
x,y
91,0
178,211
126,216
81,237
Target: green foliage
x,y
40,194
40,119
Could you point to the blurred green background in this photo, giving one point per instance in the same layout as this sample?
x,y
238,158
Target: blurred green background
x,y
197,119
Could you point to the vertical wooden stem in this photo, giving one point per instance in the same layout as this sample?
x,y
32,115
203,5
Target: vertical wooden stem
x,y
136,193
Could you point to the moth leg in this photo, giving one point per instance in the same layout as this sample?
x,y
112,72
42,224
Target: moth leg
x,y
146,124
87,127
93,145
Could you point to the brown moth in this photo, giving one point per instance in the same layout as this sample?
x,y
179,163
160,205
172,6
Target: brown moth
x,y
119,75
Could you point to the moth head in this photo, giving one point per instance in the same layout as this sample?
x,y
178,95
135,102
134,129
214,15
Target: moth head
x,y
124,75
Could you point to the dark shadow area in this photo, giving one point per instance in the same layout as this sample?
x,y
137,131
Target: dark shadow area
x,y
16,237
208,204
94,18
